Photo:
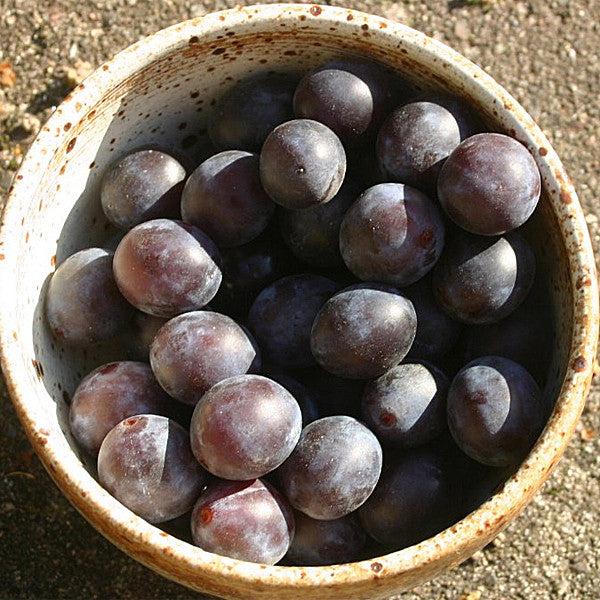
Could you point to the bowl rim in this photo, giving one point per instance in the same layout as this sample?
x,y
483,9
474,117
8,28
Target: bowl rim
x,y
190,565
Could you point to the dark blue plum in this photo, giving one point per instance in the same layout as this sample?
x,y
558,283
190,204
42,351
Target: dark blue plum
x,y
248,269
392,234
335,395
307,399
165,267
414,141
141,186
360,333
195,350
490,184
320,543
495,411
244,427
146,463
83,303
224,197
333,469
302,164
482,279
411,500
437,332
109,394
406,406
525,336
250,109
350,97
282,315
247,520
312,234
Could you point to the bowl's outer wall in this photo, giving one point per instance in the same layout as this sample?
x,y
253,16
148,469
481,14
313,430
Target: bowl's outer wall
x,y
161,91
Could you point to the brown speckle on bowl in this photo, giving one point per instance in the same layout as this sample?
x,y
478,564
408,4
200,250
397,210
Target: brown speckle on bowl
x,y
565,197
583,281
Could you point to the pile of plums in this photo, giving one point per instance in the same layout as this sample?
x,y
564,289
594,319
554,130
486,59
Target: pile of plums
x,y
333,336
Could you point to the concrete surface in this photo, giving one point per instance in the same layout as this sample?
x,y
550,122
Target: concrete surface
x,y
545,53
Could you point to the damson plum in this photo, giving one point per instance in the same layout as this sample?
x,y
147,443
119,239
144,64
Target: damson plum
x,y
142,186
406,406
437,332
108,395
223,197
282,315
146,463
250,109
195,350
166,267
490,184
248,269
411,502
393,234
361,333
333,469
247,520
482,279
302,164
414,141
83,303
350,97
525,336
319,543
244,427
312,234
495,411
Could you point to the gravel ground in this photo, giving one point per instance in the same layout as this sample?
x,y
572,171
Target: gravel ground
x,y
545,53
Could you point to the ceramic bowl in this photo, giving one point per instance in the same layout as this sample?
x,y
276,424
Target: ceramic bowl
x,y
160,91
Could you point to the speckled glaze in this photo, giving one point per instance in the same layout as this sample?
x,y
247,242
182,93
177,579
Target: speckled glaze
x,y
160,90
